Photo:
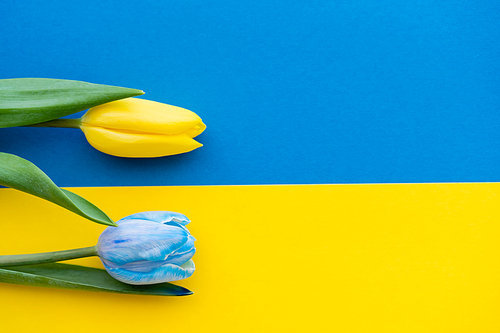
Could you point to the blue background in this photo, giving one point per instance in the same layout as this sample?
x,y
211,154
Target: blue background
x,y
292,91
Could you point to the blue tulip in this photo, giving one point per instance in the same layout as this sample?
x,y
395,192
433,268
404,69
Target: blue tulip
x,y
148,248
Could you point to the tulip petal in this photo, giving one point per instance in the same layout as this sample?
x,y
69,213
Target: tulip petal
x,y
142,266
140,115
181,258
196,130
161,274
135,240
187,247
159,217
135,144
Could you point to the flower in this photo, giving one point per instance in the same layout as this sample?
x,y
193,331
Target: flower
x,y
134,127
148,248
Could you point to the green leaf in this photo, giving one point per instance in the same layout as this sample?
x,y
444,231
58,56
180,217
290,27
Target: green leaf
x,y
23,175
28,101
82,278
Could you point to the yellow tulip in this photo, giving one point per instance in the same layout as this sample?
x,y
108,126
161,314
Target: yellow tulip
x,y
134,127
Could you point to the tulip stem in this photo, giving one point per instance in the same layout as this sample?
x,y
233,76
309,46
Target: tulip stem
x,y
42,258
68,123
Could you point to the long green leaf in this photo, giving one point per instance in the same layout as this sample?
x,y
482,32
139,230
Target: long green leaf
x,y
82,278
23,175
28,101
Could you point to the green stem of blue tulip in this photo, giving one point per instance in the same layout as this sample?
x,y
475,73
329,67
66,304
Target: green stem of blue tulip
x,y
46,257
67,123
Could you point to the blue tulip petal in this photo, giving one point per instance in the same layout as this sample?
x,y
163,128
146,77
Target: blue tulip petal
x,y
161,274
177,224
183,254
187,246
140,240
181,258
158,217
142,266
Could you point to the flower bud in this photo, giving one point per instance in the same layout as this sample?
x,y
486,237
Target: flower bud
x,y
148,248
134,127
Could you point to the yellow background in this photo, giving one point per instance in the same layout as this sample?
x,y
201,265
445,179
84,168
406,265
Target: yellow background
x,y
298,258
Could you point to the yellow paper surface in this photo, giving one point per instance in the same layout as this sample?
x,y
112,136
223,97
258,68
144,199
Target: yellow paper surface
x,y
298,258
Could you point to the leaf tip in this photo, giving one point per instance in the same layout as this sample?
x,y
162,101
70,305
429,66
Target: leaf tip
x,y
182,291
185,292
137,92
108,223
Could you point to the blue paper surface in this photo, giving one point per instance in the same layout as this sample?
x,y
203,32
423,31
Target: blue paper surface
x,y
292,92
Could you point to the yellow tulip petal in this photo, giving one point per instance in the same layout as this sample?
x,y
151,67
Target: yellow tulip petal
x,y
140,115
133,144
196,130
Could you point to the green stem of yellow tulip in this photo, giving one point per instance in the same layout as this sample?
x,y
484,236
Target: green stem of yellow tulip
x,y
46,257
67,123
